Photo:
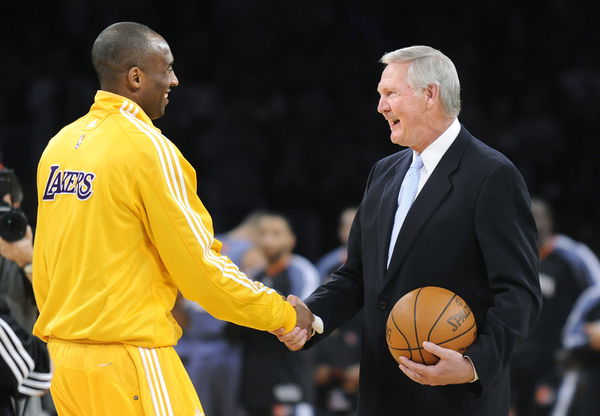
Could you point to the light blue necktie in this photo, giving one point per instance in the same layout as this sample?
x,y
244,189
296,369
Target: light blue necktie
x,y
406,196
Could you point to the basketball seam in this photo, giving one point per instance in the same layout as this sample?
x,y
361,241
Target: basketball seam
x,y
439,316
437,343
406,349
415,323
459,335
403,336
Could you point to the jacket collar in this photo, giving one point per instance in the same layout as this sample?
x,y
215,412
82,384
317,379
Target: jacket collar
x,y
431,196
107,102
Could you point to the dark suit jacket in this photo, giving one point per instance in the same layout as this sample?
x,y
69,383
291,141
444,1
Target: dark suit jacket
x,y
470,230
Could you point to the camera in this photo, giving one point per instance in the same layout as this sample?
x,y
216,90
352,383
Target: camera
x,y
13,222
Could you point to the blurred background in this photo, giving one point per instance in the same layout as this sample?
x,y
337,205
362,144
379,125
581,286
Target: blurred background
x,y
276,109
276,106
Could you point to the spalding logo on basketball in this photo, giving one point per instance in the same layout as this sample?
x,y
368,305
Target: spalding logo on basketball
x,y
429,314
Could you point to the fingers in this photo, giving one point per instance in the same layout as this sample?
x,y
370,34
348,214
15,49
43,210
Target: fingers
x,y
278,332
291,336
293,340
296,338
304,317
453,367
414,367
437,350
410,373
298,343
418,373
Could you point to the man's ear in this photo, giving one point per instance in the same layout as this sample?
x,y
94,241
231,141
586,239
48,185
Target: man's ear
x,y
134,78
432,92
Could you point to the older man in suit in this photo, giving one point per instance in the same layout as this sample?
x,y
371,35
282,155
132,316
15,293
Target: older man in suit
x,y
448,211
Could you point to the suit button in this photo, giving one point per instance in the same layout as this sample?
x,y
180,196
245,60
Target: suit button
x,y
382,305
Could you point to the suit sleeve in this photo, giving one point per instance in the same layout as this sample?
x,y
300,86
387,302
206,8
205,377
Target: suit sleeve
x,y
506,233
343,296
24,359
180,228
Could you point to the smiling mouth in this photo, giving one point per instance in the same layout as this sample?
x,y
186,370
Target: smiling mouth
x,y
394,121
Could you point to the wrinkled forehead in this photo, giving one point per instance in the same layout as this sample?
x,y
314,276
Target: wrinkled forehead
x,y
394,75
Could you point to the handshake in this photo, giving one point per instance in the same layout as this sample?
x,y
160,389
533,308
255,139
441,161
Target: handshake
x,y
306,326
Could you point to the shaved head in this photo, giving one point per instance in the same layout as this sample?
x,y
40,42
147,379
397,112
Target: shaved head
x,y
134,61
120,47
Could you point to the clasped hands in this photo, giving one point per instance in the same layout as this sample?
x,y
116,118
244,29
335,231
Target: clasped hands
x,y
303,331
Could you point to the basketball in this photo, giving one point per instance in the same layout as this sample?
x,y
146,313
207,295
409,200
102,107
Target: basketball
x,y
429,314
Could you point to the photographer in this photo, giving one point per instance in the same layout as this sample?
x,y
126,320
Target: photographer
x,y
24,363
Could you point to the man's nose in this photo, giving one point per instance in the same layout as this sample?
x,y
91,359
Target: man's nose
x,y
382,106
174,80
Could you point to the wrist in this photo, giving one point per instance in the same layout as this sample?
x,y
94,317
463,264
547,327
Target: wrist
x,y
27,269
22,263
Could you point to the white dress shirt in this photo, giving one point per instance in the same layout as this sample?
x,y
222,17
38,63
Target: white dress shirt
x,y
435,151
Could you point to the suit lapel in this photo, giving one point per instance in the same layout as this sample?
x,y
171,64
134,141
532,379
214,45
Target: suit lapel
x,y
388,205
431,196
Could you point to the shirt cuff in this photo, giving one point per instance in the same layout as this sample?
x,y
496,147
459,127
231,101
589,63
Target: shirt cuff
x,y
474,369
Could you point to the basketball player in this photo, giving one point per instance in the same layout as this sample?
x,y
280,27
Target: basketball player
x,y
120,230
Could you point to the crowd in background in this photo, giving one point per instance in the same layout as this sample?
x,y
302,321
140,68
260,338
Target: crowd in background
x,y
276,104
240,371
243,372
276,110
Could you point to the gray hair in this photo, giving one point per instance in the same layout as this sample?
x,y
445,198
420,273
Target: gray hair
x,y
429,66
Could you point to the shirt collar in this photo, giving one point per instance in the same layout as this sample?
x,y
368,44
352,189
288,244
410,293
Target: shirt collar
x,y
433,153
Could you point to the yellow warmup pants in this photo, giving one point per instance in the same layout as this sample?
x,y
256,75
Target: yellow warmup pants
x,y
117,379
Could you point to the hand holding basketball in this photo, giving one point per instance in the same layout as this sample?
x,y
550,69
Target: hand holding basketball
x,y
452,368
431,314
432,325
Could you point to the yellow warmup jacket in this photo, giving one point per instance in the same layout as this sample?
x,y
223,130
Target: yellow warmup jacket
x,y
120,229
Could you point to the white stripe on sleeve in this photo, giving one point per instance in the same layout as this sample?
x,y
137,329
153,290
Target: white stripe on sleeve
x,y
165,151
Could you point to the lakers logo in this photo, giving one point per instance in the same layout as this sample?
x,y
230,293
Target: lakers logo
x,y
68,182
